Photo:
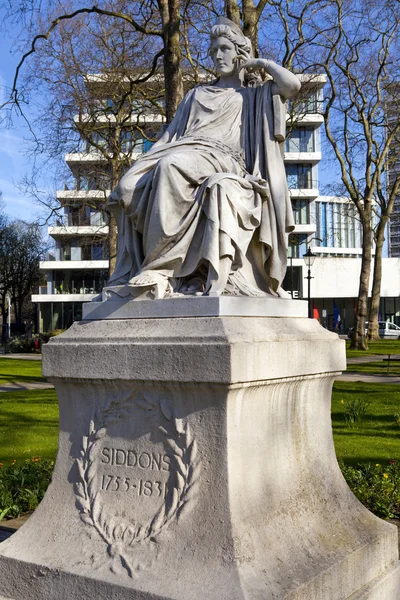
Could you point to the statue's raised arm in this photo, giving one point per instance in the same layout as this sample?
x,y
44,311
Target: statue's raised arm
x,y
207,210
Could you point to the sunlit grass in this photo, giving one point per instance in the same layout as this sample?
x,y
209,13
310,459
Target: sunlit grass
x,y
376,438
380,347
377,368
28,425
12,370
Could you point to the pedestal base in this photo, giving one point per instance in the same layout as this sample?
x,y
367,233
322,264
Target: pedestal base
x,y
196,462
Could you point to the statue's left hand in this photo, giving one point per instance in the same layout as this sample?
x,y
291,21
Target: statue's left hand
x,y
253,64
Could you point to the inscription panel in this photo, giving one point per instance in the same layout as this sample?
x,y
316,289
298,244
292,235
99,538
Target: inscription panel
x,y
138,471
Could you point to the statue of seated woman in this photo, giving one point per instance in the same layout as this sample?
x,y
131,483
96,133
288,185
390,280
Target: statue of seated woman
x,y
207,209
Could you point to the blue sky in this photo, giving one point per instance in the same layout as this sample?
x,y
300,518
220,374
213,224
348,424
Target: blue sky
x,y
14,164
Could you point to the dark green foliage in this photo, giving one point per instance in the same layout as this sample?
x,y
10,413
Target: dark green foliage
x,y
376,486
22,486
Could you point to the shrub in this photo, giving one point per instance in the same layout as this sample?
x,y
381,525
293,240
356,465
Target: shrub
x,y
376,486
19,345
355,410
49,334
22,486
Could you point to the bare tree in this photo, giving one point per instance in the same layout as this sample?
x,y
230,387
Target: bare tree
x,y
356,46
21,248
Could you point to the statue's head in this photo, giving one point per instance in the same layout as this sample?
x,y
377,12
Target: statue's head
x,y
228,46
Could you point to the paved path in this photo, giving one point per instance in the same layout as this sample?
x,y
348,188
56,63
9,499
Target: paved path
x,y
367,378
7,528
371,358
22,356
20,386
17,386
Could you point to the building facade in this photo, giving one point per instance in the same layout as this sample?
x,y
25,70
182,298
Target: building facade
x,y
77,268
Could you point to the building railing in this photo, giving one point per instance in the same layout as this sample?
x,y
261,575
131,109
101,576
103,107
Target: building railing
x,y
78,220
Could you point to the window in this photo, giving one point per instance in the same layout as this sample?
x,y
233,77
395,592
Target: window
x,y
297,245
306,105
66,251
95,142
300,139
126,141
301,212
98,218
298,176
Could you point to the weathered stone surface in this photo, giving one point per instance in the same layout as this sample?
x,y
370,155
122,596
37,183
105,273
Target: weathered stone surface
x,y
189,306
196,461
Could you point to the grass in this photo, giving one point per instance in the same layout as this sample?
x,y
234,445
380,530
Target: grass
x,y
377,368
29,419
376,438
380,347
12,370
28,425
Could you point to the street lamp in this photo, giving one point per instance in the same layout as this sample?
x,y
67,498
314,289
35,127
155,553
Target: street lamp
x,y
309,258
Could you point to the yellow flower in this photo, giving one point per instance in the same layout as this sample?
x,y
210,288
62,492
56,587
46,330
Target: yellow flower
x,y
377,465
385,475
342,402
13,461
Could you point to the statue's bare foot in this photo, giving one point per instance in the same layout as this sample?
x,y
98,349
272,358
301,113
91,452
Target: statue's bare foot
x,y
147,279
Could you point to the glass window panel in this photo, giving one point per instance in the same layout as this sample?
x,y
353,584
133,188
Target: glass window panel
x,y
68,315
57,319
45,316
292,176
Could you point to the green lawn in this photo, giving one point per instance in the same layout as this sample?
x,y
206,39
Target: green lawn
x,y
381,347
28,425
377,438
20,370
377,367
29,419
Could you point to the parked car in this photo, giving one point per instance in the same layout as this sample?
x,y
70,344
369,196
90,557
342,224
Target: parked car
x,y
387,330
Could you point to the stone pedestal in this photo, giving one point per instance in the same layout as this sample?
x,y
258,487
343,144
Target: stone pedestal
x,y
196,461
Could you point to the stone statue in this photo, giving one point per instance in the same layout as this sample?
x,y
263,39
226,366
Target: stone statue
x,y
207,209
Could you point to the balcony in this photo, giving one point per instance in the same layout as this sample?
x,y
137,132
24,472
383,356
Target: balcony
x,y
306,193
66,196
305,228
78,230
41,298
298,157
49,265
135,118
88,159
314,119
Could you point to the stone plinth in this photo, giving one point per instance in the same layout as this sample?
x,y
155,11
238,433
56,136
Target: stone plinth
x,y
196,461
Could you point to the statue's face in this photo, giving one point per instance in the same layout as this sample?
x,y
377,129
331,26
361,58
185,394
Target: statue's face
x,y
223,53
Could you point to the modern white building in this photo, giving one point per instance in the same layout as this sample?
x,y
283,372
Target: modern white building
x,y
77,269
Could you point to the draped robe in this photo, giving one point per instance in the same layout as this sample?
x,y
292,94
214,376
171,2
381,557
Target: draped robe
x,y
213,186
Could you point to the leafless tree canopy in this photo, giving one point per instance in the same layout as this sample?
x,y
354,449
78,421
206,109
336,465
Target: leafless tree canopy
x,y
157,48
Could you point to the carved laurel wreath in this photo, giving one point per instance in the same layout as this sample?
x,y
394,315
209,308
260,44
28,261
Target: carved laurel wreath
x,y
120,537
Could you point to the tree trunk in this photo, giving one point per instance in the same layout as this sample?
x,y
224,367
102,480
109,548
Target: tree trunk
x,y
170,14
250,23
232,11
359,340
17,310
112,244
373,329
112,225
